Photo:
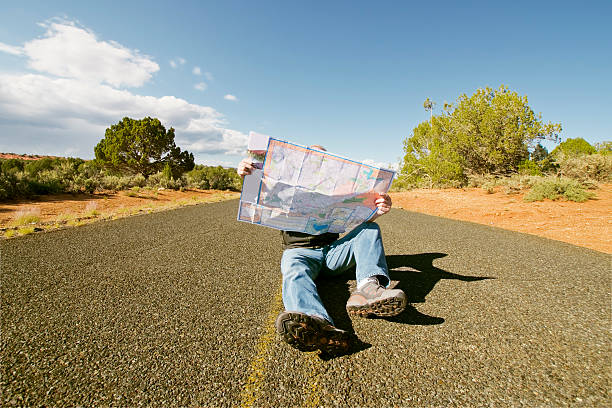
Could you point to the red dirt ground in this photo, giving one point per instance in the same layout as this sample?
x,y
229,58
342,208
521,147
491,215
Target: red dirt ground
x,y
584,224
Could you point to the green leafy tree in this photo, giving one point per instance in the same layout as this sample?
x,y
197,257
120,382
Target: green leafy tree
x,y
489,132
142,146
539,153
573,147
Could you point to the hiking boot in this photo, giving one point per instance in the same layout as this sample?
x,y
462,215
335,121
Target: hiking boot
x,y
309,333
373,298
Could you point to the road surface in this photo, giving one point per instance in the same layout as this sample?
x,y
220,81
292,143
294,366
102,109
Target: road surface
x,y
176,309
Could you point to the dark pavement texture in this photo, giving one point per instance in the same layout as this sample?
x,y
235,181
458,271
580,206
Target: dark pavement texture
x,y
170,309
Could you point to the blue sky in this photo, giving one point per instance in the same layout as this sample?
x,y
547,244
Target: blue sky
x,y
349,75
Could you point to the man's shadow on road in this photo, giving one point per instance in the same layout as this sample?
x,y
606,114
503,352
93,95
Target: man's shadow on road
x,y
414,274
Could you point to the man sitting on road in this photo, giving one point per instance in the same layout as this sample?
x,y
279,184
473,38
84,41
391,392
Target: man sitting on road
x,y
305,323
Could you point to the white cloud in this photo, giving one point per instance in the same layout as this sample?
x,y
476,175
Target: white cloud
x,y
67,109
68,51
230,97
197,71
178,61
9,49
86,109
200,86
217,140
209,76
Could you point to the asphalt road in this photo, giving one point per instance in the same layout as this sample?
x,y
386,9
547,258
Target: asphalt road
x,y
175,309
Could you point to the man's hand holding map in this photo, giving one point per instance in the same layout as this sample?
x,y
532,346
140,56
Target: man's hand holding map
x,y
297,188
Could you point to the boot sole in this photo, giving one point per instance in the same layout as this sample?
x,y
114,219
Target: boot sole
x,y
305,333
384,308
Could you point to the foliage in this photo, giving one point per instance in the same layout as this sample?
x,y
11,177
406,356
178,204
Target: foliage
x,y
25,219
217,178
530,168
21,178
487,133
554,188
539,153
586,168
12,165
33,167
573,147
604,148
142,146
430,160
514,183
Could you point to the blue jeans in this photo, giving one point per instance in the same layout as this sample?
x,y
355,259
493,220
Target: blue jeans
x,y
361,247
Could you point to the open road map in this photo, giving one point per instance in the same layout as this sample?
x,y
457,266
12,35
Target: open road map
x,y
307,190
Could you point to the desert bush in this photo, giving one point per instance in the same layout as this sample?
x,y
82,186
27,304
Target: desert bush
x,y
401,184
90,168
480,180
114,183
12,165
530,168
208,177
138,180
197,178
8,184
573,147
34,167
161,180
586,168
555,188
90,185
153,181
223,179
119,183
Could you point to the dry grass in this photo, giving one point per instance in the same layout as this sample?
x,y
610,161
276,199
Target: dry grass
x,y
25,217
28,217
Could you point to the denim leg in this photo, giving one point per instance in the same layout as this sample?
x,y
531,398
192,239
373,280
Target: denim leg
x,y
362,248
300,267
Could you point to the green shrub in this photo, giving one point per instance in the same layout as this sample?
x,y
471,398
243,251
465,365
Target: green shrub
x,y
167,172
530,168
12,165
153,181
90,185
160,180
208,177
138,180
115,183
554,188
36,166
584,168
573,147
197,178
8,185
401,184
90,168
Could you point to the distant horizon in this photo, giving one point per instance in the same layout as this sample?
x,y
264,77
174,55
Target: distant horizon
x,y
352,75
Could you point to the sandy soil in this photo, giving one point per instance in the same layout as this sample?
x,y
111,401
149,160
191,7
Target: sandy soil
x,y
61,210
584,224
